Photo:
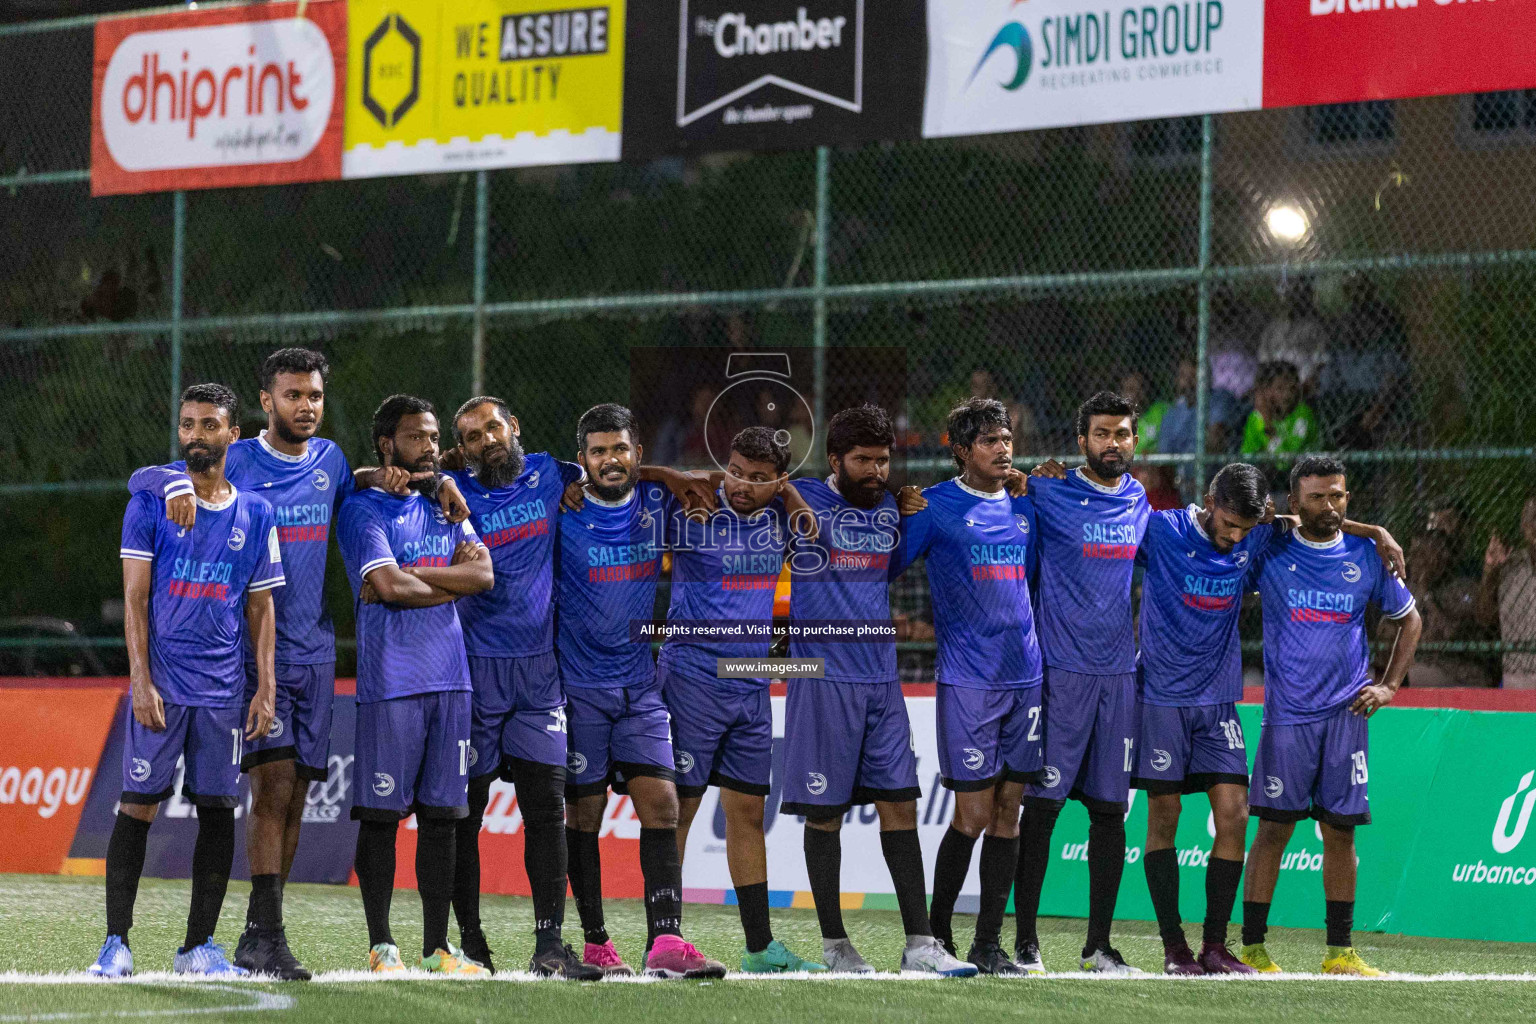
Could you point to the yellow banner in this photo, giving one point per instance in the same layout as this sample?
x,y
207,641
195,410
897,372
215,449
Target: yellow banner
x,y
438,85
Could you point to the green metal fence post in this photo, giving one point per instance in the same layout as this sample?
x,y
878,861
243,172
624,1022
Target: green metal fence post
x,y
178,280
819,288
482,243
1203,312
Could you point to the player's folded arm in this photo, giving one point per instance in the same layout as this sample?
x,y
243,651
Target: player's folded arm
x,y
397,587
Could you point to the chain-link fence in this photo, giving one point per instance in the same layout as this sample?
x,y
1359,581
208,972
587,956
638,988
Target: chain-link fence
x,y
1354,278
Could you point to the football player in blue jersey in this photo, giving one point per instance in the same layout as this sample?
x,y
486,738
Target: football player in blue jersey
x,y
979,548
190,596
1319,692
1091,524
847,736
725,570
408,566
519,719
609,562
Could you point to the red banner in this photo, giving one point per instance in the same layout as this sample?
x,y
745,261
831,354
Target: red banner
x,y
50,743
249,95
1344,51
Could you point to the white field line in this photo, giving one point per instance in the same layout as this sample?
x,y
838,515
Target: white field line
x,y
519,977
256,1000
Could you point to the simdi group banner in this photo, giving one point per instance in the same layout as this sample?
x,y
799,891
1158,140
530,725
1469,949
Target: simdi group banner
x,y
246,95
449,85
1006,65
1450,852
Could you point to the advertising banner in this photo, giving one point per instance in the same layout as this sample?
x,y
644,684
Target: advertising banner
x,y
771,74
1005,66
50,744
1344,51
452,85
248,95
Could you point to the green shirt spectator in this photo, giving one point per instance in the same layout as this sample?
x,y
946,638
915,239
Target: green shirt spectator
x,y
1290,433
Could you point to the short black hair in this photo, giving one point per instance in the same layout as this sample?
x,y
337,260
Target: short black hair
x,y
972,416
608,418
291,360
1241,489
1315,465
1269,372
862,426
479,400
386,419
760,445
215,395
1104,403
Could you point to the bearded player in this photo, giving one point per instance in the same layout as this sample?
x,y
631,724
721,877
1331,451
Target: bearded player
x,y
190,595
725,568
408,565
1316,583
847,738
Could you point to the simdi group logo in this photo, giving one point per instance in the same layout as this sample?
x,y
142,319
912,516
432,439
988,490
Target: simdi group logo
x,y
1509,830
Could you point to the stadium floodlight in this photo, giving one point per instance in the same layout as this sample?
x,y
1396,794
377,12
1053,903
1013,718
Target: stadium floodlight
x,y
1287,223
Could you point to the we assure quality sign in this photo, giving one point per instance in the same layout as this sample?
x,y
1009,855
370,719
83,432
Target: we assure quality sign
x,y
437,85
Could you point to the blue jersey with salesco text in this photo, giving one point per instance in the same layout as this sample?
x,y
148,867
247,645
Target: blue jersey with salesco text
x,y
199,579
1089,535
402,651
518,523
1316,655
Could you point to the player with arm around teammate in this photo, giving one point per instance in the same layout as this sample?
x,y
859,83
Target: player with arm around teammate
x,y
609,563
189,595
980,549
847,737
1315,584
725,569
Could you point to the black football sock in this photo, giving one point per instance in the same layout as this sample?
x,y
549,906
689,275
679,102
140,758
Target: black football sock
x,y
824,868
466,856
1340,919
266,907
752,901
1255,922
541,799
375,866
586,867
125,865
212,856
1036,823
1163,883
1106,863
949,871
436,839
662,874
904,859
1222,878
999,861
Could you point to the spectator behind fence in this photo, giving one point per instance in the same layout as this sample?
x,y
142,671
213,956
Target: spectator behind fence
x,y
1447,601
1507,598
1234,326
1297,336
1362,389
1280,422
